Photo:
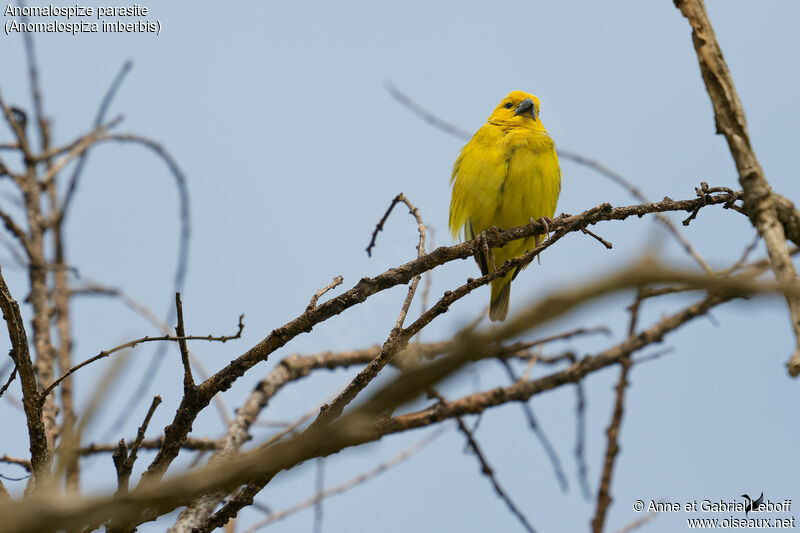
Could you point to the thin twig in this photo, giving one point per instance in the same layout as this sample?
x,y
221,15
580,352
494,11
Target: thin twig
x,y
639,522
33,77
580,440
9,381
188,380
131,344
743,259
333,284
487,470
537,430
412,288
424,114
398,337
347,485
319,488
181,267
15,120
101,114
520,349
604,494
191,443
24,463
142,429
634,309
99,289
124,471
427,288
599,239
16,231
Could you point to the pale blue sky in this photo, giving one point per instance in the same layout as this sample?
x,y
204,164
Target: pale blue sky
x,y
278,115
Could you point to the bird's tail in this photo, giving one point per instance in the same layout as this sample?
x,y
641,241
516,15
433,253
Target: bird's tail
x,y
501,294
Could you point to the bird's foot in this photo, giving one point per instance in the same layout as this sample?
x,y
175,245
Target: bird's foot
x,y
483,243
547,221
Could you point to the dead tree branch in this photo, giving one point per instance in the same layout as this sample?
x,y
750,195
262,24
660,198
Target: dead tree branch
x,y
40,454
604,494
771,214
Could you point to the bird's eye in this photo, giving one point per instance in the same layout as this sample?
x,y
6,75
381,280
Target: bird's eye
x,y
509,105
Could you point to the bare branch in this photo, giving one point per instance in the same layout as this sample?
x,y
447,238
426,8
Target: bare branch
x,y
180,269
15,230
36,93
40,455
333,284
133,343
347,485
320,487
379,227
537,430
604,494
125,474
424,114
599,239
580,440
192,443
760,202
24,463
188,381
96,288
16,122
364,424
9,381
636,524
75,150
546,309
366,287
101,113
487,470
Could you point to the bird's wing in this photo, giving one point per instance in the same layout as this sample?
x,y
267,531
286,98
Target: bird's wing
x,y
480,257
478,176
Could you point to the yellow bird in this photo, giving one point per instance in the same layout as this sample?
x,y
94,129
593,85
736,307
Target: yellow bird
x,y
507,175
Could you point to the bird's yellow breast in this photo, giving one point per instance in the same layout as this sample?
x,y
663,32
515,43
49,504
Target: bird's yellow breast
x,y
504,177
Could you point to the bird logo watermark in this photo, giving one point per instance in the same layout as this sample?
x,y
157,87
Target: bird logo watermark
x,y
753,505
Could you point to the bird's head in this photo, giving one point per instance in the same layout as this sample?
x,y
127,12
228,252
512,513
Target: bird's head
x,y
518,109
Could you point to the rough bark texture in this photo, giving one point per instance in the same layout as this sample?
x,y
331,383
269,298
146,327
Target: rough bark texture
x,y
773,216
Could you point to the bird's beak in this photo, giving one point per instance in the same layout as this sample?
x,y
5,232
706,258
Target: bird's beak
x,y
526,106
